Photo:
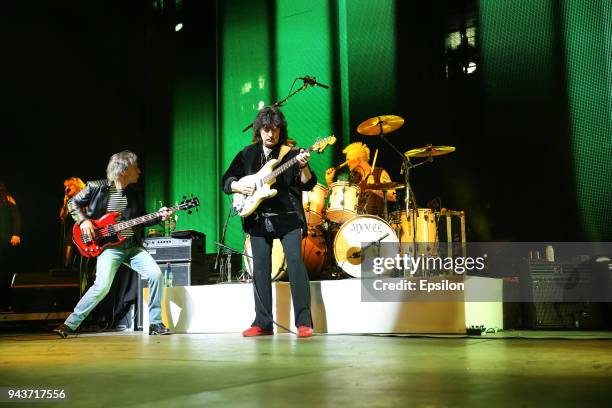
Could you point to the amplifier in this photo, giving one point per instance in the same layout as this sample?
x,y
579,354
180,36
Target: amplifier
x,y
168,249
562,297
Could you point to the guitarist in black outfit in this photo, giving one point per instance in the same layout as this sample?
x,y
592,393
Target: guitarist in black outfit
x,y
281,216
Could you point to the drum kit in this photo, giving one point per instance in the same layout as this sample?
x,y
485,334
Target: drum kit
x,y
338,224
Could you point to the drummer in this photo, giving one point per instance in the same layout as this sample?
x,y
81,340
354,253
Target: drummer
x,y
357,160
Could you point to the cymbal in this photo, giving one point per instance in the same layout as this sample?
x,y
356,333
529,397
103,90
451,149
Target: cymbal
x,y
372,126
384,186
429,151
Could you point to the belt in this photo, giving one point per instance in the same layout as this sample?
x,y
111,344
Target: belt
x,y
267,215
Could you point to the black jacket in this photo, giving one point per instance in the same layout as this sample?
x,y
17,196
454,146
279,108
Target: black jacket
x,y
247,162
92,202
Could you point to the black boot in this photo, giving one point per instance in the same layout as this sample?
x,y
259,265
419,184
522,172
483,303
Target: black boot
x,y
63,331
158,328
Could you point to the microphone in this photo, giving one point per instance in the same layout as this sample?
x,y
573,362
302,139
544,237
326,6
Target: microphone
x,y
312,81
357,254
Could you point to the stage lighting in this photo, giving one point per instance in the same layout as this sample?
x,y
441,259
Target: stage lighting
x,y
471,67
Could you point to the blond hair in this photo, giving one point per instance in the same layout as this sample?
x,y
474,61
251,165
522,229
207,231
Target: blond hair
x,y
357,149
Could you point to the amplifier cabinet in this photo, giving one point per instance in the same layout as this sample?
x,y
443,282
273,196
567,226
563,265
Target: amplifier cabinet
x,y
168,249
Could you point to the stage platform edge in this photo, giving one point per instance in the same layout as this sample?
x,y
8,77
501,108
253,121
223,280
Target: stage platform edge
x,y
336,309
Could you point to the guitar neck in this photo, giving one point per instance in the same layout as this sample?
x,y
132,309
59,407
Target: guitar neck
x,y
279,170
120,226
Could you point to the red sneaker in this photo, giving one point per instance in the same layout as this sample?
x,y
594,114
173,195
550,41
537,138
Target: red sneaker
x,y
304,331
256,331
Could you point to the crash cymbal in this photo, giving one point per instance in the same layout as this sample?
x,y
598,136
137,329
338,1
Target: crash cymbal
x,y
372,126
429,151
384,186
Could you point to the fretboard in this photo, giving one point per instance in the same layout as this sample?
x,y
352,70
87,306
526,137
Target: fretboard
x,y
282,168
120,226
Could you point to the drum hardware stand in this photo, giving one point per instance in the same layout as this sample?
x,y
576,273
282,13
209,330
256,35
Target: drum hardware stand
x,y
405,171
331,267
225,266
407,165
449,234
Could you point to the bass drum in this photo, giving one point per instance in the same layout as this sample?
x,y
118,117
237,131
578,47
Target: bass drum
x,y
362,229
279,263
314,254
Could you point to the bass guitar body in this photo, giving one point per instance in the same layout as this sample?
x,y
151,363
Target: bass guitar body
x,y
91,248
108,229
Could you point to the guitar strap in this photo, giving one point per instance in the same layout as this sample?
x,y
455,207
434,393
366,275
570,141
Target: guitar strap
x,y
283,151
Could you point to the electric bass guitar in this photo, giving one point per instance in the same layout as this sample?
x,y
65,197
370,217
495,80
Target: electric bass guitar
x,y
108,229
265,177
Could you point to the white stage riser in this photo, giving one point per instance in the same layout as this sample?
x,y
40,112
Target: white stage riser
x,y
336,309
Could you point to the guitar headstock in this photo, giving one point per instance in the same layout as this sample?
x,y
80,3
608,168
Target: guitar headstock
x,y
189,203
321,143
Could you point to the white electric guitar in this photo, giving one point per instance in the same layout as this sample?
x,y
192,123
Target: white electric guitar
x,y
265,177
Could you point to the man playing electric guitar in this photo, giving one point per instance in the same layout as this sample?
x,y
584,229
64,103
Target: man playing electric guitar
x,y
280,216
116,193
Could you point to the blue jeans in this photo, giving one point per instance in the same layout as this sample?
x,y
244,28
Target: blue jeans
x,y
133,255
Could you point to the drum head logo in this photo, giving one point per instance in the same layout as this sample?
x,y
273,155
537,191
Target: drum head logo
x,y
360,227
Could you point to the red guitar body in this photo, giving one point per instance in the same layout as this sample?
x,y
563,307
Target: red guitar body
x,y
108,229
105,236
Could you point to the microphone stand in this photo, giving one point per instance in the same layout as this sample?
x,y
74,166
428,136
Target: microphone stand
x,y
282,101
221,254
362,250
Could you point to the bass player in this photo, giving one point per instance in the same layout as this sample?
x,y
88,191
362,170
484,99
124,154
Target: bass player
x,y
116,193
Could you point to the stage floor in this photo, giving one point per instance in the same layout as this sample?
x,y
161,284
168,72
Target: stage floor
x,y
132,369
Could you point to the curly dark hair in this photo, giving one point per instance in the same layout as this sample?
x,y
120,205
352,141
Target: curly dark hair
x,y
273,117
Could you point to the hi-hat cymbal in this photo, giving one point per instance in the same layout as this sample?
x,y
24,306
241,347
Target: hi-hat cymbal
x,y
429,151
373,126
384,186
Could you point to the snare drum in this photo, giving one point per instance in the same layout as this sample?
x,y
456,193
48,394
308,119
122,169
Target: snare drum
x,y
343,201
358,230
314,204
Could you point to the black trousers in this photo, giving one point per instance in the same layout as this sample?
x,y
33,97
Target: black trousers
x,y
298,278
